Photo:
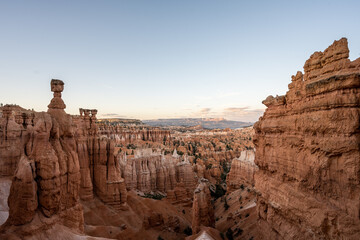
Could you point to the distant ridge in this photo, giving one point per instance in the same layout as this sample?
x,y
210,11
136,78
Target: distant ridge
x,y
120,121
208,123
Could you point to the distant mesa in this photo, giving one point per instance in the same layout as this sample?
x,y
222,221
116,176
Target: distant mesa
x,y
207,123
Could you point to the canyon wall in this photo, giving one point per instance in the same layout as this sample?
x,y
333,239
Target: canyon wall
x,y
307,150
242,171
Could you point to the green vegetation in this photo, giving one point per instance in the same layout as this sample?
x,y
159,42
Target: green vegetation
x,y
219,191
228,147
229,234
131,146
238,232
223,177
153,196
188,231
226,205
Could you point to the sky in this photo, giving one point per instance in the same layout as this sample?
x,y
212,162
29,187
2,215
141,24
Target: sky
x,y
164,59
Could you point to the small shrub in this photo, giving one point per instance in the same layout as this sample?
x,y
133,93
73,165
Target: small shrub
x,y
131,146
226,205
154,196
219,191
229,234
247,215
188,231
222,235
183,211
223,177
160,238
238,232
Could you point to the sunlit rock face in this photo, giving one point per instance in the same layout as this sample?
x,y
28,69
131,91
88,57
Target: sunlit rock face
x,y
242,171
307,150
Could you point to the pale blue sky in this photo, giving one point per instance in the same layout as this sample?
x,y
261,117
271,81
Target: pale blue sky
x,y
164,59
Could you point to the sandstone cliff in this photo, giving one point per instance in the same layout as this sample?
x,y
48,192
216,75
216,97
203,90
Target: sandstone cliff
x,y
307,150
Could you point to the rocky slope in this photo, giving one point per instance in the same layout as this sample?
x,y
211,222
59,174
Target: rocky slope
x,y
307,150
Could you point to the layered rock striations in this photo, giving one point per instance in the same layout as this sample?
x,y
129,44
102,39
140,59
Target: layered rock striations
x,y
242,171
202,210
307,150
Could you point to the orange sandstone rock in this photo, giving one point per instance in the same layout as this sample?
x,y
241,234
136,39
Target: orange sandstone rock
x,y
308,151
202,210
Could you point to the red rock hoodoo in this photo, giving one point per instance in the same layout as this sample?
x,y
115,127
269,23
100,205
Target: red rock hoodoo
x,y
202,210
308,151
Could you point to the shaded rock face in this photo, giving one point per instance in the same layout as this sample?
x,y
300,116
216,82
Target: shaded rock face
x,y
47,178
202,210
242,171
307,151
